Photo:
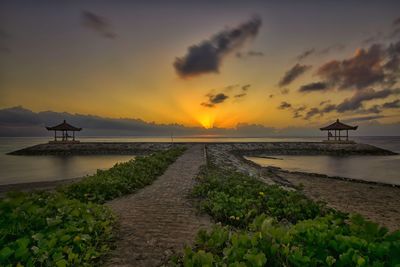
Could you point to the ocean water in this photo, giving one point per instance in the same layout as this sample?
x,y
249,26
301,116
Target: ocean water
x,y
20,169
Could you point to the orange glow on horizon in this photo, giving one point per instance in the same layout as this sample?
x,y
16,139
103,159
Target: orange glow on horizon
x,y
207,120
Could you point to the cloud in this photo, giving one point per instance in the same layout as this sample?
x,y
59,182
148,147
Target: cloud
x,y
305,54
356,101
335,47
214,100
393,104
32,124
297,111
246,87
285,105
230,87
364,118
271,96
312,87
240,95
292,74
311,113
362,70
285,91
249,53
377,65
207,57
97,23
312,51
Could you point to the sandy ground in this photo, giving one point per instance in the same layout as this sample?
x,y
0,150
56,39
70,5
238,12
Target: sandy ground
x,y
379,203
39,186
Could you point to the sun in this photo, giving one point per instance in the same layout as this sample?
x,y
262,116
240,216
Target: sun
x,y
207,121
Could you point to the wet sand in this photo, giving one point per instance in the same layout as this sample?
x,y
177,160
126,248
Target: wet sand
x,y
378,202
36,186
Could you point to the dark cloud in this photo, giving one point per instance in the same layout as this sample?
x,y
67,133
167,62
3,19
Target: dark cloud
x,y
319,111
249,54
293,73
362,70
240,95
215,99
393,104
324,102
312,51
364,118
285,91
305,54
312,87
98,24
246,87
285,105
356,101
230,87
311,113
335,47
271,96
374,38
207,56
377,65
297,111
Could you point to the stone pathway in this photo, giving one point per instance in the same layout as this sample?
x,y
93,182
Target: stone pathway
x,y
159,219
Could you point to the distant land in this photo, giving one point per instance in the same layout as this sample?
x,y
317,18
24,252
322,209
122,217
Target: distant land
x,y
21,122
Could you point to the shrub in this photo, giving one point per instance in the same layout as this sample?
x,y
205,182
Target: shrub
x,y
47,229
123,178
287,229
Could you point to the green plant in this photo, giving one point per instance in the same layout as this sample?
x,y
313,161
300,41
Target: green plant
x,y
123,178
67,228
47,229
286,228
236,199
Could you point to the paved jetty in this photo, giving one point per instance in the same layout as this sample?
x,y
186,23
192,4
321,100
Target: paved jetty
x,y
160,219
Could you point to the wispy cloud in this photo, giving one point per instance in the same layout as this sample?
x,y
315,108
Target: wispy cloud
x,y
215,99
98,24
312,87
293,73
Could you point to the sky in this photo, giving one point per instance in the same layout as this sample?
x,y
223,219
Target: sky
x,y
207,64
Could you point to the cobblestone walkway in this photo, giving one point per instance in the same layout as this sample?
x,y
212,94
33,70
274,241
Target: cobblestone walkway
x,y
159,219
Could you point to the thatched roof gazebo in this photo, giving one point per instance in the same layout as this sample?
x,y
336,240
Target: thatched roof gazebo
x,y
64,128
337,127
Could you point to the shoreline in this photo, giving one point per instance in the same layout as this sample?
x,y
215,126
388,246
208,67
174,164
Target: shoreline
x,y
247,148
39,185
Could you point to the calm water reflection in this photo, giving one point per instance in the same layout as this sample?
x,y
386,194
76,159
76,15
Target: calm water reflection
x,y
372,168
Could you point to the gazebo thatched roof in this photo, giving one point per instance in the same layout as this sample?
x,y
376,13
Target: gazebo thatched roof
x,y
337,125
63,127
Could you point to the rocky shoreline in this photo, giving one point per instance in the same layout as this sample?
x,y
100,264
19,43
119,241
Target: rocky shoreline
x,y
242,148
92,148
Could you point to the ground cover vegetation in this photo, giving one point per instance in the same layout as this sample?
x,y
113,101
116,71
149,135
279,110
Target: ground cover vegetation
x,y
265,225
70,227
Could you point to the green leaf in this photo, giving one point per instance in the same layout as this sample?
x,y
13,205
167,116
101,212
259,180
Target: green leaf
x,y
5,253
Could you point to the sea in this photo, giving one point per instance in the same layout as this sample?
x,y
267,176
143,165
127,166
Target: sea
x,y
23,169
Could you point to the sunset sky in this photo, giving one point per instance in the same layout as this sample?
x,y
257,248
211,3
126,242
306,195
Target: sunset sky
x,y
208,63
